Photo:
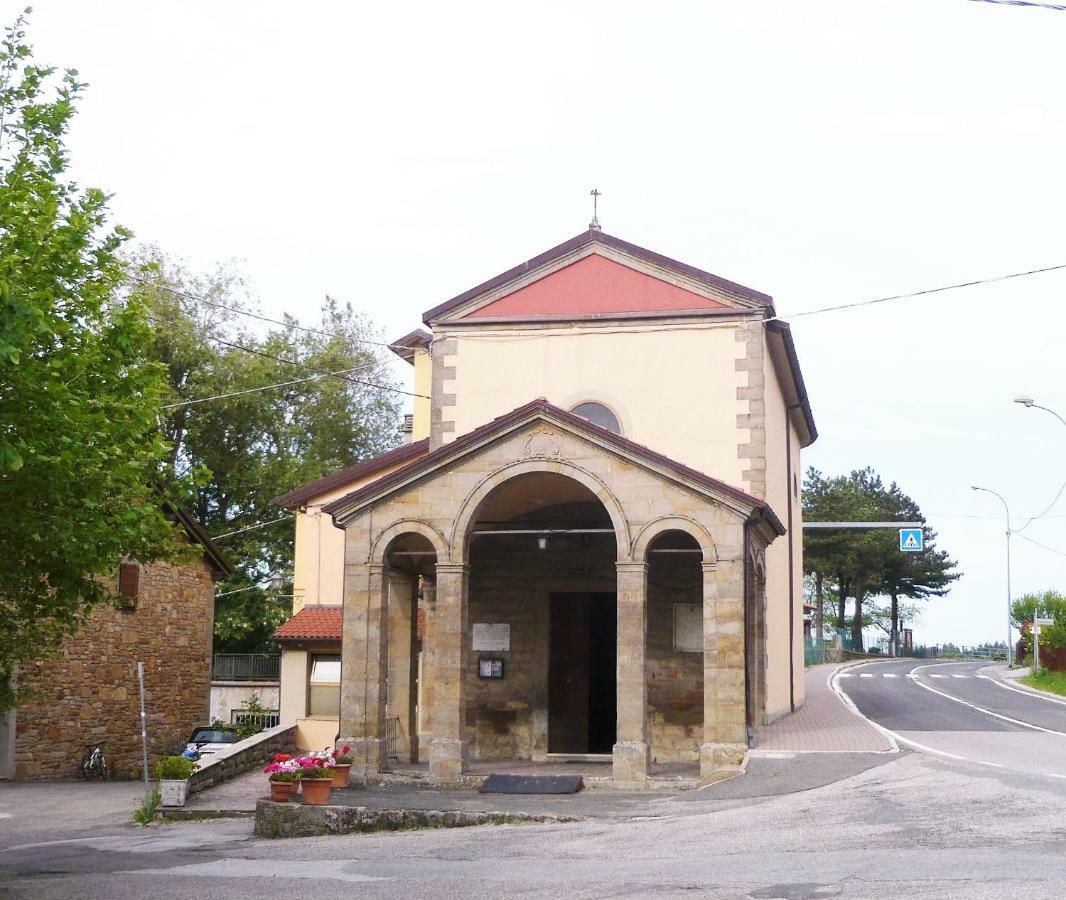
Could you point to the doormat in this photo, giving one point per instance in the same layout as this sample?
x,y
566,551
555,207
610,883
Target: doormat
x,y
532,784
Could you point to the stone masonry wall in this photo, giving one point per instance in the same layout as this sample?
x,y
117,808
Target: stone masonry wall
x,y
88,692
675,678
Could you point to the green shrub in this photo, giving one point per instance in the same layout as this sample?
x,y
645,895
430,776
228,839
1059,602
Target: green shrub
x,y
145,813
174,768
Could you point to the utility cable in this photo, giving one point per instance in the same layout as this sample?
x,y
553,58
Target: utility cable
x,y
301,365
936,290
1038,544
252,527
265,387
1023,3
285,324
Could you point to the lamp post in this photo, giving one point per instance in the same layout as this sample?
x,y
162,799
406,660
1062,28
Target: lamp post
x,y
1006,509
1030,403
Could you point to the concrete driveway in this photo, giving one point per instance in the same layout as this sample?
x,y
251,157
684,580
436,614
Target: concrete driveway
x,y
36,812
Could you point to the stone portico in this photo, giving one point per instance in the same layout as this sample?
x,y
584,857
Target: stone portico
x,y
592,550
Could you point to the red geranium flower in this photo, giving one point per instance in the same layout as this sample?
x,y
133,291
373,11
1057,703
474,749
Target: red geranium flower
x,y
281,757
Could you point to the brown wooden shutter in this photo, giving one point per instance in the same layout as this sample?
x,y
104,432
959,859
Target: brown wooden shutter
x,y
129,584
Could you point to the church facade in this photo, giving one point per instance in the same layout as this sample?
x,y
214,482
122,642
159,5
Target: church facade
x,y
591,548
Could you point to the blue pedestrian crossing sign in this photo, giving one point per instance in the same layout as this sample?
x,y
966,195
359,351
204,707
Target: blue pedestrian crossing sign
x,y
911,540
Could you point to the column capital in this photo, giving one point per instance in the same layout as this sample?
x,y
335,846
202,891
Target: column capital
x,y
629,566
452,568
709,568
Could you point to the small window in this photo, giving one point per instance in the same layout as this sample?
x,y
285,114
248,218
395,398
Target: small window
x,y
324,686
129,585
598,414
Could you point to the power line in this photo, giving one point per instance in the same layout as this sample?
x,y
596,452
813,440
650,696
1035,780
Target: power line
x,y
253,527
301,365
1023,3
1042,546
265,387
936,290
262,318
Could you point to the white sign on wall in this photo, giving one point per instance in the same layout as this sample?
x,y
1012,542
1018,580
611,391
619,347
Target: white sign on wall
x,y
493,637
688,627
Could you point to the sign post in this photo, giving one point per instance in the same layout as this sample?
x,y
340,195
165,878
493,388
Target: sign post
x,y
144,734
1038,622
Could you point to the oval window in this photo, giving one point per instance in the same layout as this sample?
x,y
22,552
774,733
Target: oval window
x,y
598,414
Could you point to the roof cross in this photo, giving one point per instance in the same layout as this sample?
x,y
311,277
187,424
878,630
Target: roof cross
x,y
595,223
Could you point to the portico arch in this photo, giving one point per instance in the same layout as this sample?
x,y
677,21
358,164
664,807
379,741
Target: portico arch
x,y
689,526
460,535
384,539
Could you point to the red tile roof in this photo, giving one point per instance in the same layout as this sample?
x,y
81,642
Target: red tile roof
x,y
312,623
401,454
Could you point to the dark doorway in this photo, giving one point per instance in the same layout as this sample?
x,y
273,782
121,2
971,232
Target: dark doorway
x,y
582,673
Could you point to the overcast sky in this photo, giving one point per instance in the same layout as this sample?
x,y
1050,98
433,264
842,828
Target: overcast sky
x,y
394,155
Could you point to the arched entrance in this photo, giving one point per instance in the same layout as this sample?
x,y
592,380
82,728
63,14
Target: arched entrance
x,y
410,562
543,621
675,648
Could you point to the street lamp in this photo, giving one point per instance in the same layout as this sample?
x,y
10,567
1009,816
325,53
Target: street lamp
x,y
1030,403
1006,509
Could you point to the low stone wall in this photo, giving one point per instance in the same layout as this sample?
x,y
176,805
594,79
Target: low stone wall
x,y
284,820
248,754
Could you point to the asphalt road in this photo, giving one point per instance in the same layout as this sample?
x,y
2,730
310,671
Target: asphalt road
x,y
961,711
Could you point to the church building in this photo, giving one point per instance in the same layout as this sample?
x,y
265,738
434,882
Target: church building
x,y
589,550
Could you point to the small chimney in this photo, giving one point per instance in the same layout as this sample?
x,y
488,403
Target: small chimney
x,y
408,427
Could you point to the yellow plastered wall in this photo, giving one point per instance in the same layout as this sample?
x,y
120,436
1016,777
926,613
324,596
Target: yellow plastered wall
x,y
780,484
423,384
318,569
674,390
293,705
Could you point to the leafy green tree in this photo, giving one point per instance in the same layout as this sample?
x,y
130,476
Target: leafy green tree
x,y
79,445
249,444
865,564
1050,604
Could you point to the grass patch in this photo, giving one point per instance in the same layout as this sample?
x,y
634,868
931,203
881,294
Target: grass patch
x,y
146,813
1046,680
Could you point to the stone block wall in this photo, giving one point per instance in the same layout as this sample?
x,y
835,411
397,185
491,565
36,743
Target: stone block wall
x,y
88,692
512,581
675,678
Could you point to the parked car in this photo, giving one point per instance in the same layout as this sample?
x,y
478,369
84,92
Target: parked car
x,y
208,739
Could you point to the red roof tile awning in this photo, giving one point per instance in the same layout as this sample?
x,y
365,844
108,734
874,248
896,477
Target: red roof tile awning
x,y
312,623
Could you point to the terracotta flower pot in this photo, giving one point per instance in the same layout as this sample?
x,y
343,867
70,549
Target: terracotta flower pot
x,y
316,790
341,773
283,791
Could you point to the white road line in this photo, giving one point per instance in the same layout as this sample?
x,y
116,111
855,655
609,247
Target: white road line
x,y
931,675
850,705
896,739
888,675
1010,687
960,676
865,675
981,709
845,675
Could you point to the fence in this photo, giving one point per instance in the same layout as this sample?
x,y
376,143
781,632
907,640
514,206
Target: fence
x,y
246,667
813,652
262,721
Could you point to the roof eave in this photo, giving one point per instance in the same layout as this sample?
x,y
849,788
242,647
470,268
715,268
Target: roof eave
x,y
780,330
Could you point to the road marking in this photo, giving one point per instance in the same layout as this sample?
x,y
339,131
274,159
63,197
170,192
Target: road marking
x,y
960,676
981,709
845,675
888,674
896,739
1010,687
931,675
865,675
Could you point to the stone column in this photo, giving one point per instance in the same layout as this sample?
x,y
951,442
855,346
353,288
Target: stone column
x,y
631,747
427,681
403,662
725,738
447,753
364,662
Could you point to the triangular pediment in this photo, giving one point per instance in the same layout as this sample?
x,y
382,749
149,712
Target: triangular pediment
x,y
536,429
593,286
595,275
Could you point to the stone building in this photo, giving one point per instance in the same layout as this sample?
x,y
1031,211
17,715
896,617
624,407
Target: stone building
x,y
591,546
88,693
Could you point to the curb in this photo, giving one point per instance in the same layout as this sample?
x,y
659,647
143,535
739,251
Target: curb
x,y
1011,684
185,814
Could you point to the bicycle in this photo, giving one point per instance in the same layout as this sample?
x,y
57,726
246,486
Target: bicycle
x,y
94,764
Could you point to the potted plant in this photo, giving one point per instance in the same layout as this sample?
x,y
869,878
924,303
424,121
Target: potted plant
x,y
316,779
284,777
173,773
342,766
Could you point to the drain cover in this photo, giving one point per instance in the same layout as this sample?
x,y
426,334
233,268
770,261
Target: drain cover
x,y
532,784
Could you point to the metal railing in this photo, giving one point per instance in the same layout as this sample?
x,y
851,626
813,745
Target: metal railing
x,y
392,737
262,721
246,667
813,652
